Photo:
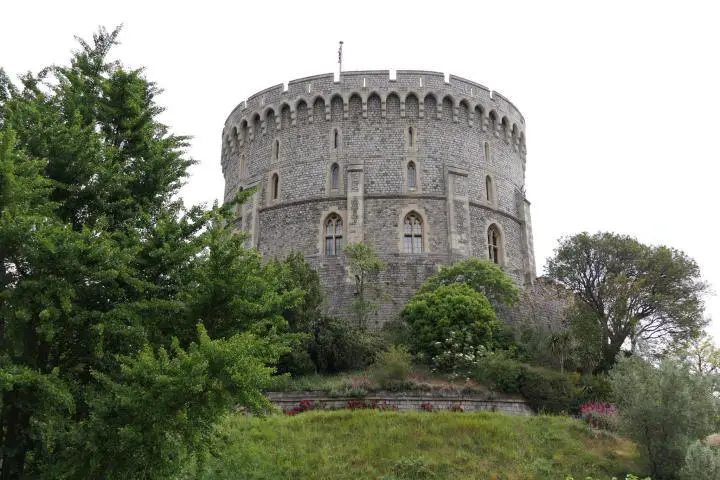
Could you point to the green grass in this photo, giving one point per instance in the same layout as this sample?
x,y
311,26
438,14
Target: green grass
x,y
390,445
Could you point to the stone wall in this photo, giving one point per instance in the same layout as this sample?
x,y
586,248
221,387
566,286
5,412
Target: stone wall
x,y
404,403
455,132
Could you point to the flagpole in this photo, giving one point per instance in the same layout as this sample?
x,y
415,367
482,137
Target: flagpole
x,y
340,57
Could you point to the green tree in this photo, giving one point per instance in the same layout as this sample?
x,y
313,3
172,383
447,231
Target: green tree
x,y
119,343
663,408
294,272
561,345
455,311
484,276
636,292
587,335
702,462
364,265
701,354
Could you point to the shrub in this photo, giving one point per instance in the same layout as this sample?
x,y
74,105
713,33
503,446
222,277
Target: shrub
x,y
433,317
544,390
500,373
702,462
337,346
397,332
481,275
459,355
297,362
391,366
426,407
596,388
599,415
663,409
547,391
303,406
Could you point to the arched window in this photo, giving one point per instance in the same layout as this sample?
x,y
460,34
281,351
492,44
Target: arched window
x,y
413,235
334,177
411,177
274,186
333,235
489,189
494,245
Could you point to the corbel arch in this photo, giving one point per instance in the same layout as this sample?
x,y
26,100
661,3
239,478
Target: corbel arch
x,y
412,105
493,122
286,115
391,109
373,106
448,108
515,137
479,110
505,124
430,105
319,108
464,112
337,106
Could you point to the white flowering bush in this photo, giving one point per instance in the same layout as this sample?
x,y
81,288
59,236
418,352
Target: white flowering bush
x,y
459,355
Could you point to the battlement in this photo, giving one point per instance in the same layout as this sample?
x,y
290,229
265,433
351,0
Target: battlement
x,y
365,82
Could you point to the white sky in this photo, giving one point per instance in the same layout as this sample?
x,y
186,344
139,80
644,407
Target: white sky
x,y
620,97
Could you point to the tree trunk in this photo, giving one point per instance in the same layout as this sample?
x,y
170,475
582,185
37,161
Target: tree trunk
x,y
15,423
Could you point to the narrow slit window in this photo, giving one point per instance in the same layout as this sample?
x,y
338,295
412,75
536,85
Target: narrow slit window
x,y
489,192
487,152
413,233
276,150
336,139
335,177
274,187
494,244
333,235
411,177
411,134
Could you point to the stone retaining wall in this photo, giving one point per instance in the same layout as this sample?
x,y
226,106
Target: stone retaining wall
x,y
402,402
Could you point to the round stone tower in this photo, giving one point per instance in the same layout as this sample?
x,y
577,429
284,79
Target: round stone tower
x,y
426,169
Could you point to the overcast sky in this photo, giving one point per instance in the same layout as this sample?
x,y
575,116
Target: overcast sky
x,y
619,97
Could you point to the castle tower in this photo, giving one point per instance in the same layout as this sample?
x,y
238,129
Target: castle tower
x,y
426,170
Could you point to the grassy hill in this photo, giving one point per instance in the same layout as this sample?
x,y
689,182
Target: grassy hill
x,y
389,445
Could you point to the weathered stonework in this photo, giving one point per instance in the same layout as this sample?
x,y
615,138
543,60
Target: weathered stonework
x,y
454,133
404,402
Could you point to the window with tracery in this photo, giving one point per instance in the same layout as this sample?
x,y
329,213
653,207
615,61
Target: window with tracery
x,y
411,176
413,233
333,235
494,247
335,177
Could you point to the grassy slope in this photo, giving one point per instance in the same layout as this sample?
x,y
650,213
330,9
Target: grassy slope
x,y
369,444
